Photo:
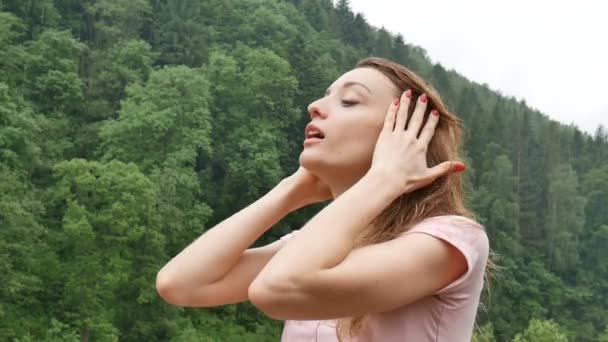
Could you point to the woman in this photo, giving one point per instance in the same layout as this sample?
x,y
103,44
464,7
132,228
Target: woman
x,y
395,257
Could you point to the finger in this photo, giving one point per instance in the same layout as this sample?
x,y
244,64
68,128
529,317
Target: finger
x,y
429,128
445,168
389,119
418,115
403,109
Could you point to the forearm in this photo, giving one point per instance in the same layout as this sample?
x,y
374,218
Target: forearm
x,y
214,253
329,236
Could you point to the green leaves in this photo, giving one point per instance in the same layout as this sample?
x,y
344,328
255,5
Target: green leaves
x,y
51,69
566,218
252,91
127,128
163,121
117,20
542,331
108,241
164,126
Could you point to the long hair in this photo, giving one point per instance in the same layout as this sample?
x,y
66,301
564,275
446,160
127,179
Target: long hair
x,y
445,196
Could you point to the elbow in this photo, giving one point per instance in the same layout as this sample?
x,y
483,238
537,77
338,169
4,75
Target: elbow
x,y
258,295
263,299
168,289
268,298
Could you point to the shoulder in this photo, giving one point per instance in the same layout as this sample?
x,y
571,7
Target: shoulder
x,y
468,237
459,229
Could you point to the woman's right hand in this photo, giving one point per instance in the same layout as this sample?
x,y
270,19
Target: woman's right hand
x,y
308,188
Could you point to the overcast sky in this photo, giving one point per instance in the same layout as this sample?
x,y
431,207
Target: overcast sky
x,y
553,54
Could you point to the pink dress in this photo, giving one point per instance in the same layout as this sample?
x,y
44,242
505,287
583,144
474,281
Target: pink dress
x,y
447,316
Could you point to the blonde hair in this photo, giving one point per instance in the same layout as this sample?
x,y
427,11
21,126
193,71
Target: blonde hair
x,y
445,196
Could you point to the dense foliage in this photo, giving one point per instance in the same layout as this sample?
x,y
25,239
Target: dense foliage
x,y
128,127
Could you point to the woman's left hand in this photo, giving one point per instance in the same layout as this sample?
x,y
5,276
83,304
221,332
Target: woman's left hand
x,y
400,154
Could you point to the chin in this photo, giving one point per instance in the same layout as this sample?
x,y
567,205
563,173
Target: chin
x,y
320,166
313,162
309,162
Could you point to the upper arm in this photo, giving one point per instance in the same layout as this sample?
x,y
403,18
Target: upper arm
x,y
373,278
232,288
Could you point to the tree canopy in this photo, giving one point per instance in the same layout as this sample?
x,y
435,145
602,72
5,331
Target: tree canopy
x,y
128,128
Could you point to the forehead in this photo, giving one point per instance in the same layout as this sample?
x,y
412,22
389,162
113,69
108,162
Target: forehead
x,y
372,78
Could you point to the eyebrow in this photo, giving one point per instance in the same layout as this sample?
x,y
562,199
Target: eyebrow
x,y
350,84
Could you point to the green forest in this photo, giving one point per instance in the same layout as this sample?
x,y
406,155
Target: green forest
x,y
128,127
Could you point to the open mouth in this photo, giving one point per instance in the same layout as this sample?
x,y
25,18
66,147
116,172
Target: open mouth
x,y
315,135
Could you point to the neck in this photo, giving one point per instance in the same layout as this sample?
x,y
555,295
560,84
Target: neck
x,y
340,181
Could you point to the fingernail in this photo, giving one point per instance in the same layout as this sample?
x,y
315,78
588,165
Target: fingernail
x,y
408,93
396,102
423,98
434,112
459,167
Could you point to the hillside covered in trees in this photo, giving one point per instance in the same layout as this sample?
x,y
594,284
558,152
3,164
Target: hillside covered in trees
x,y
128,127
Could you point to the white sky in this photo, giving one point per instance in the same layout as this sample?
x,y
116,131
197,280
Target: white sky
x,y
553,54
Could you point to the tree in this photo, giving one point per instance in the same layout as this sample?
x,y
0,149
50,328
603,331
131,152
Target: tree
x,y
440,80
106,231
37,15
604,336
107,74
11,54
19,151
319,13
542,331
345,17
383,43
127,128
25,255
485,334
52,73
496,201
164,126
531,185
54,89
180,32
565,219
115,20
252,108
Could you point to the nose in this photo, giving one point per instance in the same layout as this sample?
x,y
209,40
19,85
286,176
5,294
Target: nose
x,y
315,109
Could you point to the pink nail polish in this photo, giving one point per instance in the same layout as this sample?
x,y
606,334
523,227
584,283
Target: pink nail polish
x,y
435,112
423,98
408,93
396,102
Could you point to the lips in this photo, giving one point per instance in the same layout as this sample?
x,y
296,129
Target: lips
x,y
312,131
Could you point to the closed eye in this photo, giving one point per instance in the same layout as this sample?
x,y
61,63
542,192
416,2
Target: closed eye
x,y
346,103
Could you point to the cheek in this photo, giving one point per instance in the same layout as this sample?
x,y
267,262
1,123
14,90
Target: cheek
x,y
370,130
363,138
358,133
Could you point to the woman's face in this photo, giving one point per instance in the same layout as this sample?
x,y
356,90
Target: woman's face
x,y
350,116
